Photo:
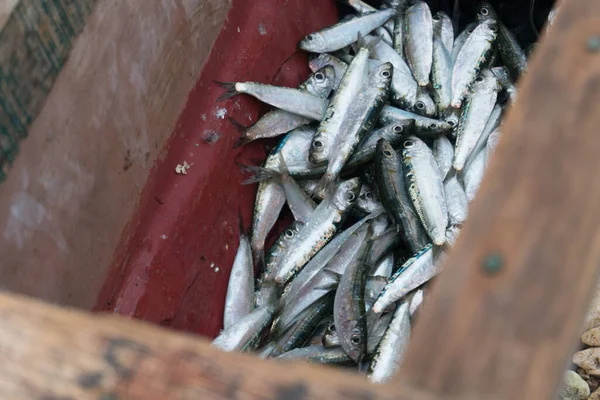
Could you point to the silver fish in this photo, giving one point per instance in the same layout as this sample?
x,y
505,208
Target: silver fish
x,y
323,60
456,200
509,49
318,355
349,307
384,266
321,227
443,151
461,39
425,187
295,101
416,301
418,41
425,127
331,338
368,201
321,259
441,76
475,115
360,119
377,324
501,73
473,176
244,334
350,87
277,122
325,280
444,31
471,57
413,273
392,347
491,124
399,32
296,150
239,300
492,142
344,33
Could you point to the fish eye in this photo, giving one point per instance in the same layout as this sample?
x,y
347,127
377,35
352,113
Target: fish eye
x,y
387,153
479,79
420,105
318,144
385,74
492,28
331,328
409,144
369,195
485,11
349,196
398,128
310,37
319,77
436,18
451,122
432,125
470,31
289,233
356,339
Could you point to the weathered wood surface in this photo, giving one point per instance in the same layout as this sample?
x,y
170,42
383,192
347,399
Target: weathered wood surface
x,y
78,177
510,335
36,37
52,353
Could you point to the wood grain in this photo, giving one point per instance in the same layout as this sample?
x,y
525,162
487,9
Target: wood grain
x,y
509,335
79,174
52,353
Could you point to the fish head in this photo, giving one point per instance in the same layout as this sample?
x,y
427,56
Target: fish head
x,y
381,77
425,105
486,11
330,337
385,153
434,127
354,340
486,82
346,194
290,233
368,200
413,146
396,131
319,147
321,82
313,42
488,28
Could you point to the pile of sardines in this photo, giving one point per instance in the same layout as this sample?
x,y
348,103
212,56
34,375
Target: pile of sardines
x,y
393,132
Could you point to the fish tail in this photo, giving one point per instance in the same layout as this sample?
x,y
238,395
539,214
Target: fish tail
x,y
260,174
230,90
243,139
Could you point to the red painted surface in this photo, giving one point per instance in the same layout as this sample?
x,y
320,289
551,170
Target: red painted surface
x,y
173,261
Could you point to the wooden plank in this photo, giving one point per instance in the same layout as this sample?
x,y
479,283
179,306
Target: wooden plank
x,y
79,174
36,37
509,335
52,353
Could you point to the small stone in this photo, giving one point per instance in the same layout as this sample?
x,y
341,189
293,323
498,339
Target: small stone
x,y
574,388
591,337
589,360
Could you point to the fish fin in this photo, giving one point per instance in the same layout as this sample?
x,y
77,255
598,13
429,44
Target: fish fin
x,y
241,223
260,174
332,274
230,90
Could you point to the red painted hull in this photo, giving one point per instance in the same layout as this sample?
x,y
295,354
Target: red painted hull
x,y
173,261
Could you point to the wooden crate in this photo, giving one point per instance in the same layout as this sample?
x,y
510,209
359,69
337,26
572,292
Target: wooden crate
x,y
502,335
